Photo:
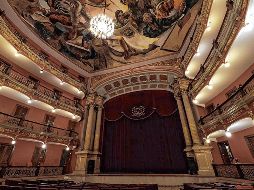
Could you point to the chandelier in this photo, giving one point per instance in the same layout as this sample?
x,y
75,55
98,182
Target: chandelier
x,y
102,26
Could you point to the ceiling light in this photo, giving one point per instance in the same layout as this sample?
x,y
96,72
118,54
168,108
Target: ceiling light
x,y
41,71
208,27
73,117
226,64
102,26
210,87
197,53
79,91
29,101
195,101
61,83
207,141
13,142
17,54
43,146
228,134
187,72
53,110
67,148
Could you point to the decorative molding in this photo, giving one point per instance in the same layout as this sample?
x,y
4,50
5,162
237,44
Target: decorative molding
x,y
240,106
23,85
25,48
228,32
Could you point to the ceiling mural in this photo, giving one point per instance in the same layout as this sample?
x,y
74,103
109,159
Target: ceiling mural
x,y
144,29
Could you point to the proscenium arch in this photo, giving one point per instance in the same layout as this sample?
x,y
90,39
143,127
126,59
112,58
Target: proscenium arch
x,y
136,82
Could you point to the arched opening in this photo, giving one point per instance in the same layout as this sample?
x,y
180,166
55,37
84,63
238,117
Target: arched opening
x,y
142,133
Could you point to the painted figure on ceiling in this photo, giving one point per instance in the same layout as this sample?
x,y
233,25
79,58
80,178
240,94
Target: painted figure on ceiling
x,y
139,24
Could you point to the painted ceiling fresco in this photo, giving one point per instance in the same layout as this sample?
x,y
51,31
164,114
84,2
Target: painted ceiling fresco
x,y
144,29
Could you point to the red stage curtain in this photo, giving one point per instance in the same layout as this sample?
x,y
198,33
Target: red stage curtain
x,y
151,143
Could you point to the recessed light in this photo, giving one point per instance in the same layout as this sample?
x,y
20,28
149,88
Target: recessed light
x,y
43,146
29,101
61,83
41,71
228,134
13,142
226,64
53,110
195,101
210,87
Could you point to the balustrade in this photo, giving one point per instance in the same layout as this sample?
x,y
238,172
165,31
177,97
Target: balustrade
x,y
242,96
24,171
22,125
240,171
38,90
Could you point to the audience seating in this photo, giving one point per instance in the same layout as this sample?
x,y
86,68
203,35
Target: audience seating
x,y
69,185
217,186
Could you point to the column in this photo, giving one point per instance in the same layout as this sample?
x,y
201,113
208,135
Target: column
x,y
89,127
83,155
184,123
84,123
97,130
191,120
202,152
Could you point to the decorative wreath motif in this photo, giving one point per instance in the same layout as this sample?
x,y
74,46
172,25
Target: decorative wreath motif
x,y
138,111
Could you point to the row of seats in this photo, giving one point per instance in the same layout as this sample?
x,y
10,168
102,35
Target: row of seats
x,y
69,185
217,186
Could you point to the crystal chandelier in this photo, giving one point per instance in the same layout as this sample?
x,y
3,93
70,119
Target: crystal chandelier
x,y
102,26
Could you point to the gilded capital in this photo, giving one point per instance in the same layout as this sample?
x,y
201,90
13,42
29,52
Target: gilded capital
x,y
99,101
90,99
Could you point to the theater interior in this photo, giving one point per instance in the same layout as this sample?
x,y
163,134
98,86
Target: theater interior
x,y
126,94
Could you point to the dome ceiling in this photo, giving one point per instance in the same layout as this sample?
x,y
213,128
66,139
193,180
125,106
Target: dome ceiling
x,y
144,29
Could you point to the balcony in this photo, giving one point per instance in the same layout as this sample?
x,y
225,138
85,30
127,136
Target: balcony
x,y
17,81
20,128
237,106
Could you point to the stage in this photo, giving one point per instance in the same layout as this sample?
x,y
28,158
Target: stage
x,y
164,181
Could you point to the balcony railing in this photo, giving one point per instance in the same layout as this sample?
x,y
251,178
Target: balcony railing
x,y
230,27
239,171
25,171
22,128
240,98
18,81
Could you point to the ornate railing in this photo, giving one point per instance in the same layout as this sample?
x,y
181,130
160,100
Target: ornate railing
x,y
14,79
240,99
24,171
240,171
21,128
20,42
231,25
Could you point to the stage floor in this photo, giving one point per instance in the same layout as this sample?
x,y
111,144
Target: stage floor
x,y
164,181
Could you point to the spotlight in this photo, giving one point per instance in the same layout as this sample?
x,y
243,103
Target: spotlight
x,y
79,91
187,72
41,71
228,134
13,142
43,146
67,148
207,141
73,117
29,101
61,83
53,110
